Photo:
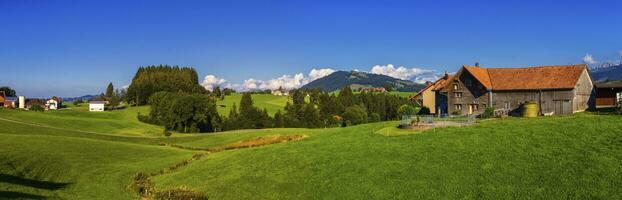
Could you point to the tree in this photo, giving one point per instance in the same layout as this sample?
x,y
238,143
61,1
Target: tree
x,y
216,91
228,91
346,97
152,79
109,90
388,87
355,115
8,91
279,120
193,113
407,110
77,102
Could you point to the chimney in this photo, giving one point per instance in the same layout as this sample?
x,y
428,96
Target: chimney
x,y
477,64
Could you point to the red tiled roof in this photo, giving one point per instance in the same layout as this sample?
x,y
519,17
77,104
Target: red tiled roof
x,y
436,85
530,78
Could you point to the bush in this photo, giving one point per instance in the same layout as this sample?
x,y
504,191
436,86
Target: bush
x,y
407,110
37,108
355,115
456,112
167,133
374,117
424,111
488,113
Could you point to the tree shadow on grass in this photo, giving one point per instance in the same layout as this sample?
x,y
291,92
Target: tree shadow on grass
x,y
19,195
16,180
46,185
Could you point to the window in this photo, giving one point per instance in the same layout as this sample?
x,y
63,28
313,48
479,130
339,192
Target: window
x,y
455,86
458,94
458,106
468,82
475,107
506,105
484,106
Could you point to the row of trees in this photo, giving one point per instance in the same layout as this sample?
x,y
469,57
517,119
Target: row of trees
x,y
151,79
315,109
186,113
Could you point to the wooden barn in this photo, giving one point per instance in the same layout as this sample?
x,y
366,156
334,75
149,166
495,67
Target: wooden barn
x,y
563,89
608,94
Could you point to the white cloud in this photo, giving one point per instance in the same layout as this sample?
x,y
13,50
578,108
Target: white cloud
x,y
415,74
319,73
211,81
589,59
298,80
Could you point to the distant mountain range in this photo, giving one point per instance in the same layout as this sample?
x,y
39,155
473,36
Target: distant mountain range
x,y
607,73
84,98
357,80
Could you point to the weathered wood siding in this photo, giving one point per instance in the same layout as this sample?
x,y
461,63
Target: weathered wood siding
x,y
584,93
472,94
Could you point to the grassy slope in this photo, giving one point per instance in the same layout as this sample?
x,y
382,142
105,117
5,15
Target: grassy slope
x,y
44,163
268,101
121,122
553,157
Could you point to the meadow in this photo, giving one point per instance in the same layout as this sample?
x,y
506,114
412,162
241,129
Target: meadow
x,y
74,154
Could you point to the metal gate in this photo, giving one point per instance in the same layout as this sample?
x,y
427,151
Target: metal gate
x,y
562,107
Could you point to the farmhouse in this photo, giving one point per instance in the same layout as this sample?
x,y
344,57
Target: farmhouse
x,y
280,92
2,98
97,106
54,103
562,89
376,89
608,94
431,97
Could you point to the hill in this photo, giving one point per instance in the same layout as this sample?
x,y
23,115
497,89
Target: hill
x,y
607,73
340,79
57,156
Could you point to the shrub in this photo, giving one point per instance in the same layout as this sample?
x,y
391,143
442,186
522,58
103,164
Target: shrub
x,y
456,112
355,115
407,110
374,117
37,108
77,102
424,111
488,113
167,133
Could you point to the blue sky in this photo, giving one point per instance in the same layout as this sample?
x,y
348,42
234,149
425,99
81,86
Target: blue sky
x,y
72,48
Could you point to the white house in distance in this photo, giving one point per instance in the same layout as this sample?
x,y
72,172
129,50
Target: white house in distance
x,y
280,92
53,104
96,106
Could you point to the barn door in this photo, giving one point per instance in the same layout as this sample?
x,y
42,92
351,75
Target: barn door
x,y
562,107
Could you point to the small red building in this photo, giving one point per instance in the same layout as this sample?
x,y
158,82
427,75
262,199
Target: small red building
x,y
608,94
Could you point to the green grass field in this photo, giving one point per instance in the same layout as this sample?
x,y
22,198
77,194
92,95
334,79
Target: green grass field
x,y
271,102
73,154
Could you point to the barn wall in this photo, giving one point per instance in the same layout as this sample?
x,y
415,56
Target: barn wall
x,y
583,93
475,94
515,99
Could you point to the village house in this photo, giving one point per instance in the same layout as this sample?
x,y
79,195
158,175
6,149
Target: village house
x,y
2,98
97,106
555,89
54,103
10,102
608,94
377,89
280,92
431,97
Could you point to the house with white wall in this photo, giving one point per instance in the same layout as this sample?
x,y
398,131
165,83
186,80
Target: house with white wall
x,y
97,106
